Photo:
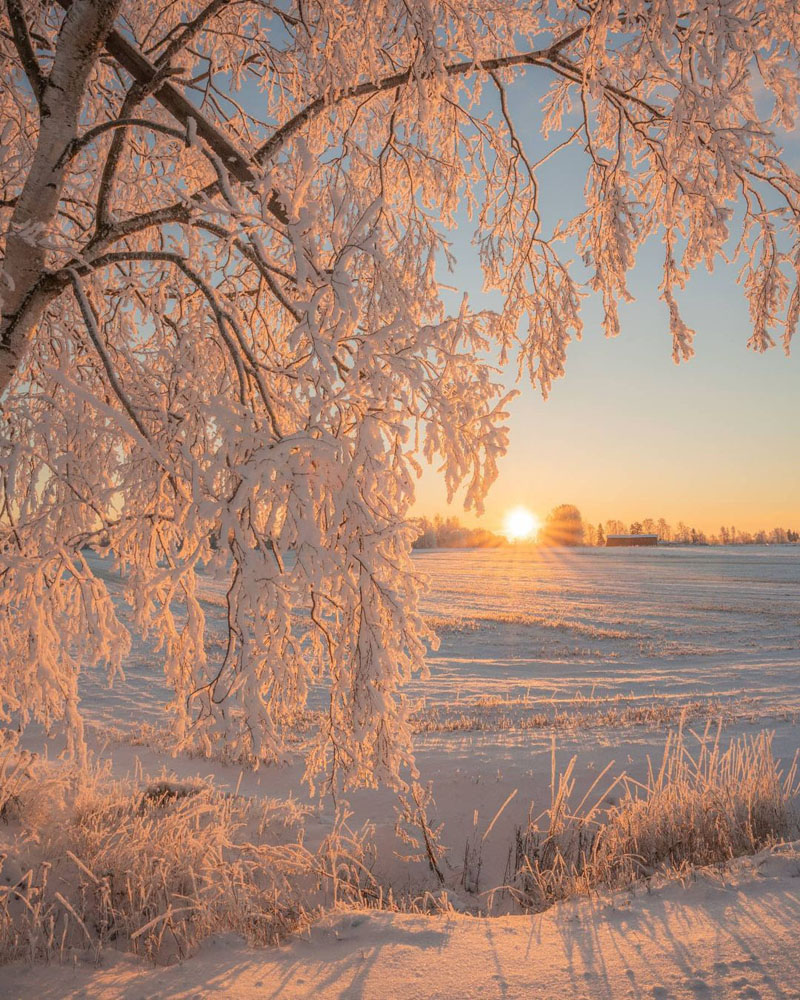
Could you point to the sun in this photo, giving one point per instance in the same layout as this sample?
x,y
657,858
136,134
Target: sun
x,y
520,524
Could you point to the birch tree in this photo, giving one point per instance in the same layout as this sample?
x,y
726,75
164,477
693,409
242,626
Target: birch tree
x,y
221,317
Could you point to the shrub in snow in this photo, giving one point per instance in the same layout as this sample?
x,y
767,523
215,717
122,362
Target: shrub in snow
x,y
89,863
702,806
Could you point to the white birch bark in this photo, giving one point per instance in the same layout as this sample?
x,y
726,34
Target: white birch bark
x,y
23,292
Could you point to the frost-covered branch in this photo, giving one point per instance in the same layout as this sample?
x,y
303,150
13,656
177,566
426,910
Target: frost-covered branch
x,y
223,342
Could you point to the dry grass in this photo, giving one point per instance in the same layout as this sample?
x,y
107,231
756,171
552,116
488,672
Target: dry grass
x,y
703,806
87,862
494,714
503,715
156,868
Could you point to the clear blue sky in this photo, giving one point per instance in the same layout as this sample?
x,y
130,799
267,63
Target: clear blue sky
x,y
627,433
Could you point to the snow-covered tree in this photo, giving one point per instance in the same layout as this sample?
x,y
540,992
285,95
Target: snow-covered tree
x,y
562,526
221,226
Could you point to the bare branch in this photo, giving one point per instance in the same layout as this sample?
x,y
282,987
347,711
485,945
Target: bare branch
x,y
108,364
24,46
88,137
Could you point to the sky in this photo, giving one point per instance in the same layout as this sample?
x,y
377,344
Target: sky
x,y
629,434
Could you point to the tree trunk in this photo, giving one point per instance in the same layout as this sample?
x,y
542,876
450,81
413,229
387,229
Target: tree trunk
x,y
23,285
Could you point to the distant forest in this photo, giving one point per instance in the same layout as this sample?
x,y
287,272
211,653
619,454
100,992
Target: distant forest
x,y
564,525
683,534
450,533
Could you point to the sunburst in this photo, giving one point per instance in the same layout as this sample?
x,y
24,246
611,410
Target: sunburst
x,y
520,524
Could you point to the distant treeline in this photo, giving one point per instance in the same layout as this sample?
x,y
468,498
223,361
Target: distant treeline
x,y
450,533
565,526
683,534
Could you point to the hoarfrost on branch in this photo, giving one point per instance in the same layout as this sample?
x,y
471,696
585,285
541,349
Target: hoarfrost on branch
x,y
221,320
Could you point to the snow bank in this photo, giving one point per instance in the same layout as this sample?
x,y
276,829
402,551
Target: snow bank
x,y
720,935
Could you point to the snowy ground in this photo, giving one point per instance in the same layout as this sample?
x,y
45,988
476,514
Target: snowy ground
x,y
734,936
600,650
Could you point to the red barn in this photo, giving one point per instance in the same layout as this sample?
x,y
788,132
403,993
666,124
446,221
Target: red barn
x,y
615,540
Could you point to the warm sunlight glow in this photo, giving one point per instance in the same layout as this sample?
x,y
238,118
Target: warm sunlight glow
x,y
520,524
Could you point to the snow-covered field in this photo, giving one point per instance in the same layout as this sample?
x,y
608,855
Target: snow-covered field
x,y
599,653
554,629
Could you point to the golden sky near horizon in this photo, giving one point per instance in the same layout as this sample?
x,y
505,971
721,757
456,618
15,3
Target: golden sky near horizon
x,y
628,434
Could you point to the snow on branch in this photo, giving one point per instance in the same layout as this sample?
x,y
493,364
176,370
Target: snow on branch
x,y
223,339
